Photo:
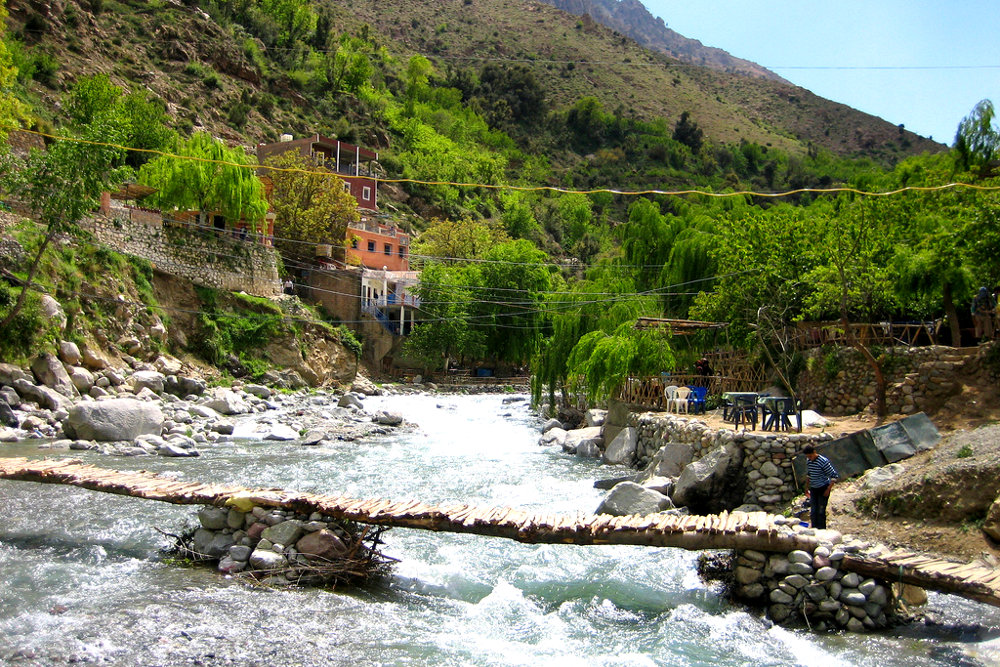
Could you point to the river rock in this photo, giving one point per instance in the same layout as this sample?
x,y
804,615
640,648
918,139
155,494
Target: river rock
x,y
322,544
778,596
363,385
113,419
281,432
387,418
850,580
286,532
825,573
594,417
622,448
553,436
258,390
170,449
211,544
10,397
46,397
630,498
213,518
49,371
350,400
550,424
69,353
152,380
240,552
81,378
579,435
168,365
7,416
9,373
227,402
799,556
94,359
712,483
588,449
183,386
670,459
266,560
229,565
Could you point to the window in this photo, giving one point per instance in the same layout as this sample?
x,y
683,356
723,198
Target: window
x,y
371,246
402,251
387,249
366,193
347,188
354,243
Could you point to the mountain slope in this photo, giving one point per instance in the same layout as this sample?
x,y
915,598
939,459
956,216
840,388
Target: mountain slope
x,y
631,18
225,81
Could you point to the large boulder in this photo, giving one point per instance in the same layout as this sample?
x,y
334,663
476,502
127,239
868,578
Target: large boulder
x,y
81,378
991,525
69,353
553,436
595,417
227,402
183,386
47,398
113,419
622,448
630,498
50,372
670,460
712,483
10,372
153,380
322,545
578,436
95,359
7,416
167,364
363,385
53,311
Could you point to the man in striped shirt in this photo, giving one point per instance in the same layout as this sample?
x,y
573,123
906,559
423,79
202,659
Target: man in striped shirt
x,y
821,478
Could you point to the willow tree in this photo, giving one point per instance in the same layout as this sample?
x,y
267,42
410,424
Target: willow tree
x,y
600,362
309,202
205,175
977,140
444,330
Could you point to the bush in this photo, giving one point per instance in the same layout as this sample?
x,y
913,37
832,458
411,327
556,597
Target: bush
x,y
348,340
21,335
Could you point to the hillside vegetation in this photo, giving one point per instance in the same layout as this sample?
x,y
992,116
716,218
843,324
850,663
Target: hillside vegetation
x,y
521,94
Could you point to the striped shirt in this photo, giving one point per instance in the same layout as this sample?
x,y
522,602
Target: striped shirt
x,y
821,472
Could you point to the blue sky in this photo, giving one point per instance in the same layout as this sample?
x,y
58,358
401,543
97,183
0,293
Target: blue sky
x,y
782,35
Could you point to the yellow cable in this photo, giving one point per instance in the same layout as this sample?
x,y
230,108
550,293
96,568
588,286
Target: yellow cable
x,y
539,188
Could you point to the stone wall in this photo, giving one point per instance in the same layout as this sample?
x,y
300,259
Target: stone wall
x,y
205,257
812,588
767,457
838,381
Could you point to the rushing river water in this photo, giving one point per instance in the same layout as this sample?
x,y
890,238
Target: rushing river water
x,y
83,579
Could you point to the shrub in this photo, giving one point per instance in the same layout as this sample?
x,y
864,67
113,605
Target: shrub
x,y
348,340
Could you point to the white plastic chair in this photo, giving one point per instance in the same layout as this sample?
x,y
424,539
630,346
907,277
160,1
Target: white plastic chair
x,y
681,398
670,393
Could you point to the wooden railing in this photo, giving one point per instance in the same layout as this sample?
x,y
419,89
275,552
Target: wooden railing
x,y
647,392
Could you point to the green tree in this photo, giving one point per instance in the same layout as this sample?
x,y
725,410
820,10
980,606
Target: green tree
x,y
207,176
601,362
12,110
61,186
515,279
458,239
309,203
978,140
688,133
444,330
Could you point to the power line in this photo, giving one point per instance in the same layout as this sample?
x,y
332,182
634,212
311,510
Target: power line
x,y
550,188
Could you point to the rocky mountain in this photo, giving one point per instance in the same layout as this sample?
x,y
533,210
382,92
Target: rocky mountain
x,y
632,18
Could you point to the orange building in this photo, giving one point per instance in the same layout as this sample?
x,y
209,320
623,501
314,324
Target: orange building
x,y
375,245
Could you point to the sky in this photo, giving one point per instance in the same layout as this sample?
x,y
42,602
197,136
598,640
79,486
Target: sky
x,y
922,63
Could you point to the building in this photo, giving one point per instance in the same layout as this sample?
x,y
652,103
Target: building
x,y
389,297
376,245
351,163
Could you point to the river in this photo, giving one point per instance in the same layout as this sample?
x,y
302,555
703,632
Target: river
x,y
83,577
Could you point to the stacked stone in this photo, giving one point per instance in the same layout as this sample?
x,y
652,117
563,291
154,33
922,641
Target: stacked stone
x,y
767,459
917,378
279,547
800,587
232,264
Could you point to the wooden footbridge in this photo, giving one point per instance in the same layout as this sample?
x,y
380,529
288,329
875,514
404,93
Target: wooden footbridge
x,y
737,530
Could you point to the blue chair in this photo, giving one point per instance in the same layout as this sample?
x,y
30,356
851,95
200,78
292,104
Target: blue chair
x,y
696,401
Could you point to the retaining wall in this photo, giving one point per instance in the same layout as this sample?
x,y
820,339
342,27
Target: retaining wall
x,y
205,257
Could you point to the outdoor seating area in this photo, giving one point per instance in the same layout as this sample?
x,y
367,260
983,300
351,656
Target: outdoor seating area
x,y
775,413
686,399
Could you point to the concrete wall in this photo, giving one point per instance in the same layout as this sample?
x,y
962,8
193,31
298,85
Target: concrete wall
x,y
205,258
